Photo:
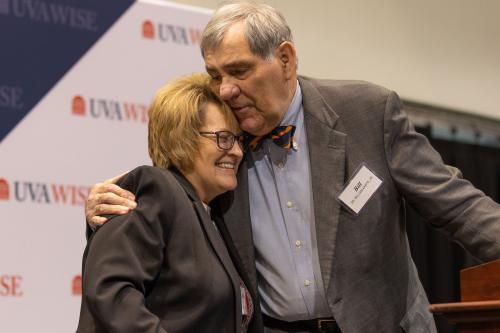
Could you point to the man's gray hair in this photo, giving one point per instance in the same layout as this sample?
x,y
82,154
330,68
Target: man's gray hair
x,y
266,28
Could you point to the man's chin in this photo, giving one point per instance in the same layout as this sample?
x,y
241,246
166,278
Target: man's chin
x,y
253,128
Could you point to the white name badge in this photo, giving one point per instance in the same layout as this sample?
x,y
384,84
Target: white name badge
x,y
360,189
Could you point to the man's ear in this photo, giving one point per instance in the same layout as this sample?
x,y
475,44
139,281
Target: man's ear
x,y
288,59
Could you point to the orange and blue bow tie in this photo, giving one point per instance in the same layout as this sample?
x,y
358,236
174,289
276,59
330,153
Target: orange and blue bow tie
x,y
281,136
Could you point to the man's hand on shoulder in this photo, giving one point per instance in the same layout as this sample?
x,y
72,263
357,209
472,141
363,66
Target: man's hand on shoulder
x,y
107,198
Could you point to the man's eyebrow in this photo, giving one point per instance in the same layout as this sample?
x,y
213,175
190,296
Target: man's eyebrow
x,y
237,63
229,65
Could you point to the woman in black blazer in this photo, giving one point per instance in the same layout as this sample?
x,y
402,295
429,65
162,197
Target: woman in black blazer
x,y
164,267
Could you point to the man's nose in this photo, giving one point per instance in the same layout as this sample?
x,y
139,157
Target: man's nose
x,y
228,91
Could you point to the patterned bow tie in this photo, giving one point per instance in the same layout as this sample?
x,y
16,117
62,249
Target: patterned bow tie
x,y
281,135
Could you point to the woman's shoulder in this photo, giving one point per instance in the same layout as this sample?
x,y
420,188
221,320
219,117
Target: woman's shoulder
x,y
150,171
145,176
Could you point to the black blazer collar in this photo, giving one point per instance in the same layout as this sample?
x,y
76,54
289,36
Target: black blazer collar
x,y
186,185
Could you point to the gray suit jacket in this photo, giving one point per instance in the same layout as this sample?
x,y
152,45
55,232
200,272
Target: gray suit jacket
x,y
162,267
370,279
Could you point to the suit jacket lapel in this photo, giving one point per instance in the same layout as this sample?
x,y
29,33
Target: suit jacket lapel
x,y
234,207
232,211
327,160
215,240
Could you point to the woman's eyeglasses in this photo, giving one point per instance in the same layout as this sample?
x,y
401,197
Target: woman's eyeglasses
x,y
225,139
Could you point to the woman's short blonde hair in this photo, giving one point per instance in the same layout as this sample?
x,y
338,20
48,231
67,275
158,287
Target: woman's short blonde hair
x,y
175,118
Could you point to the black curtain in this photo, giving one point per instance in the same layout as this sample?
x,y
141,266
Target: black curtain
x,y
437,258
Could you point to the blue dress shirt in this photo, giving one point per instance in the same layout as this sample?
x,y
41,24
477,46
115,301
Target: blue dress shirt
x,y
282,214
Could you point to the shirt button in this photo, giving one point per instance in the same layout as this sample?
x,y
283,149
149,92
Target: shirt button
x,y
289,204
298,243
307,283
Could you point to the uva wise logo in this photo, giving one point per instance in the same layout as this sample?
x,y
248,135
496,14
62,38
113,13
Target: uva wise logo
x,y
11,97
101,108
76,285
50,13
43,193
4,190
10,285
170,33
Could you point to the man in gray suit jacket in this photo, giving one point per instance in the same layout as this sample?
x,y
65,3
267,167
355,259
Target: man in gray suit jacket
x,y
319,222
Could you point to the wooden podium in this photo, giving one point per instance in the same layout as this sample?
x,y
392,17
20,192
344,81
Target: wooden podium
x,y
479,310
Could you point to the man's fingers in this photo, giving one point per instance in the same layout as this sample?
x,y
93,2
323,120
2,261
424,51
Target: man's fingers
x,y
110,198
93,216
115,189
97,221
104,209
107,198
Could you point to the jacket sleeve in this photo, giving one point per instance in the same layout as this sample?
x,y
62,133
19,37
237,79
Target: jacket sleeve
x,y
438,191
124,257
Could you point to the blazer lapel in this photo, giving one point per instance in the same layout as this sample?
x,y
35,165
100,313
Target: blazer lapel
x,y
327,159
215,240
234,207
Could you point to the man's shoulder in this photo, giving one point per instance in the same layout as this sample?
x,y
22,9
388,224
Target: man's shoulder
x,y
352,103
345,88
348,99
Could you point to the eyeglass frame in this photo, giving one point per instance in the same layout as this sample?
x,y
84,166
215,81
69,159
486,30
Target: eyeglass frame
x,y
235,138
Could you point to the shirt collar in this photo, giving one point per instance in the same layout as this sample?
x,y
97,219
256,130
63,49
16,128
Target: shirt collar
x,y
207,208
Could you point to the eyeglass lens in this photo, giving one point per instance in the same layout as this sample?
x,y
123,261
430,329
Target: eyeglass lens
x,y
225,139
